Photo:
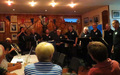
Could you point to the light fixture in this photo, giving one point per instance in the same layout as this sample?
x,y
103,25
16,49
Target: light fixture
x,y
74,11
46,10
72,5
13,9
9,2
32,3
53,4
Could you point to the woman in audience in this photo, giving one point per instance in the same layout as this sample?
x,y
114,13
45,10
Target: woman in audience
x,y
6,65
44,52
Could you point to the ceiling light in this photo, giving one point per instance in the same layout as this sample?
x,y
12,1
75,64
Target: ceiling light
x,y
9,2
53,4
13,9
45,10
74,11
32,3
72,5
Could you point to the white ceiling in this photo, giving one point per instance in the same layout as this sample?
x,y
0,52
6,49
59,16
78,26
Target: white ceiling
x,y
23,7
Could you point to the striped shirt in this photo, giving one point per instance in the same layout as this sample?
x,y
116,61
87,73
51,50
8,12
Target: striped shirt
x,y
43,68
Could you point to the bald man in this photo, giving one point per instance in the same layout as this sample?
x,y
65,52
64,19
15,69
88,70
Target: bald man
x,y
116,40
95,33
108,36
44,52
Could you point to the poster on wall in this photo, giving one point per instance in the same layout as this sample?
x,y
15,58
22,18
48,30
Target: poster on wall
x,y
115,14
2,27
13,18
96,18
13,27
14,36
86,21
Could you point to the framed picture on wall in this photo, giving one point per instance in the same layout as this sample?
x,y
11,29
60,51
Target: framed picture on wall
x,y
91,19
13,18
96,18
115,14
14,36
13,27
2,27
86,21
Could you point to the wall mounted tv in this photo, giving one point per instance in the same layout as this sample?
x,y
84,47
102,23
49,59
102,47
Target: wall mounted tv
x,y
71,20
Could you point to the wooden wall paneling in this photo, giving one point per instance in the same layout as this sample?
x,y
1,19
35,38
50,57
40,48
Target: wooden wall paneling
x,y
37,26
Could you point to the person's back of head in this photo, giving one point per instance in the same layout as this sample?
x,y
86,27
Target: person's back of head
x,y
44,51
97,51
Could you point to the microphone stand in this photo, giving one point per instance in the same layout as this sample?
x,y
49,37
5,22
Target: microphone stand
x,y
35,39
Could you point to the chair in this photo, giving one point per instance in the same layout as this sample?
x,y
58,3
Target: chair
x,y
55,57
61,59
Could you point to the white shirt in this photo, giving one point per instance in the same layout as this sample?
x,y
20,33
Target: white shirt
x,y
4,64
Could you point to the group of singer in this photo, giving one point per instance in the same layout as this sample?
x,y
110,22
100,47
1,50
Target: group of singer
x,y
70,42
112,39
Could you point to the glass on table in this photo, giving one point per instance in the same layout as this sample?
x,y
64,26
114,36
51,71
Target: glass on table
x,y
19,56
27,59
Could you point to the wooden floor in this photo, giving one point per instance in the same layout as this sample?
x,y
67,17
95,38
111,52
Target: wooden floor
x,y
82,71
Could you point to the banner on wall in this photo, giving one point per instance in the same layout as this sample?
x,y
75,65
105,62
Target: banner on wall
x,y
8,18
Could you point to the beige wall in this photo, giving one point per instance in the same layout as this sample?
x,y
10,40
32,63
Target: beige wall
x,y
93,13
111,8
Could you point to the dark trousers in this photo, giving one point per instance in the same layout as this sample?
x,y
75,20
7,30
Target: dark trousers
x,y
22,46
72,51
117,54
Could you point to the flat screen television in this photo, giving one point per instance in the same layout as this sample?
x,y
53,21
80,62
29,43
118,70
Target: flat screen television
x,y
99,28
71,20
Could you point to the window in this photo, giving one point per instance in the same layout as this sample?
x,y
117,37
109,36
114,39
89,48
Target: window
x,y
71,20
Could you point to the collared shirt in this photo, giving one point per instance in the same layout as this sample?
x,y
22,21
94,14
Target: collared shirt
x,y
35,36
72,35
43,68
22,38
83,35
59,38
116,38
110,67
53,34
47,38
96,34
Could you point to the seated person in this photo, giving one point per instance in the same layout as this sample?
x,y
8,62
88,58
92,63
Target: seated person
x,y
6,65
11,49
105,66
44,52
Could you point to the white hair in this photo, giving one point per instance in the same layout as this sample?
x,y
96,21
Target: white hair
x,y
85,28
